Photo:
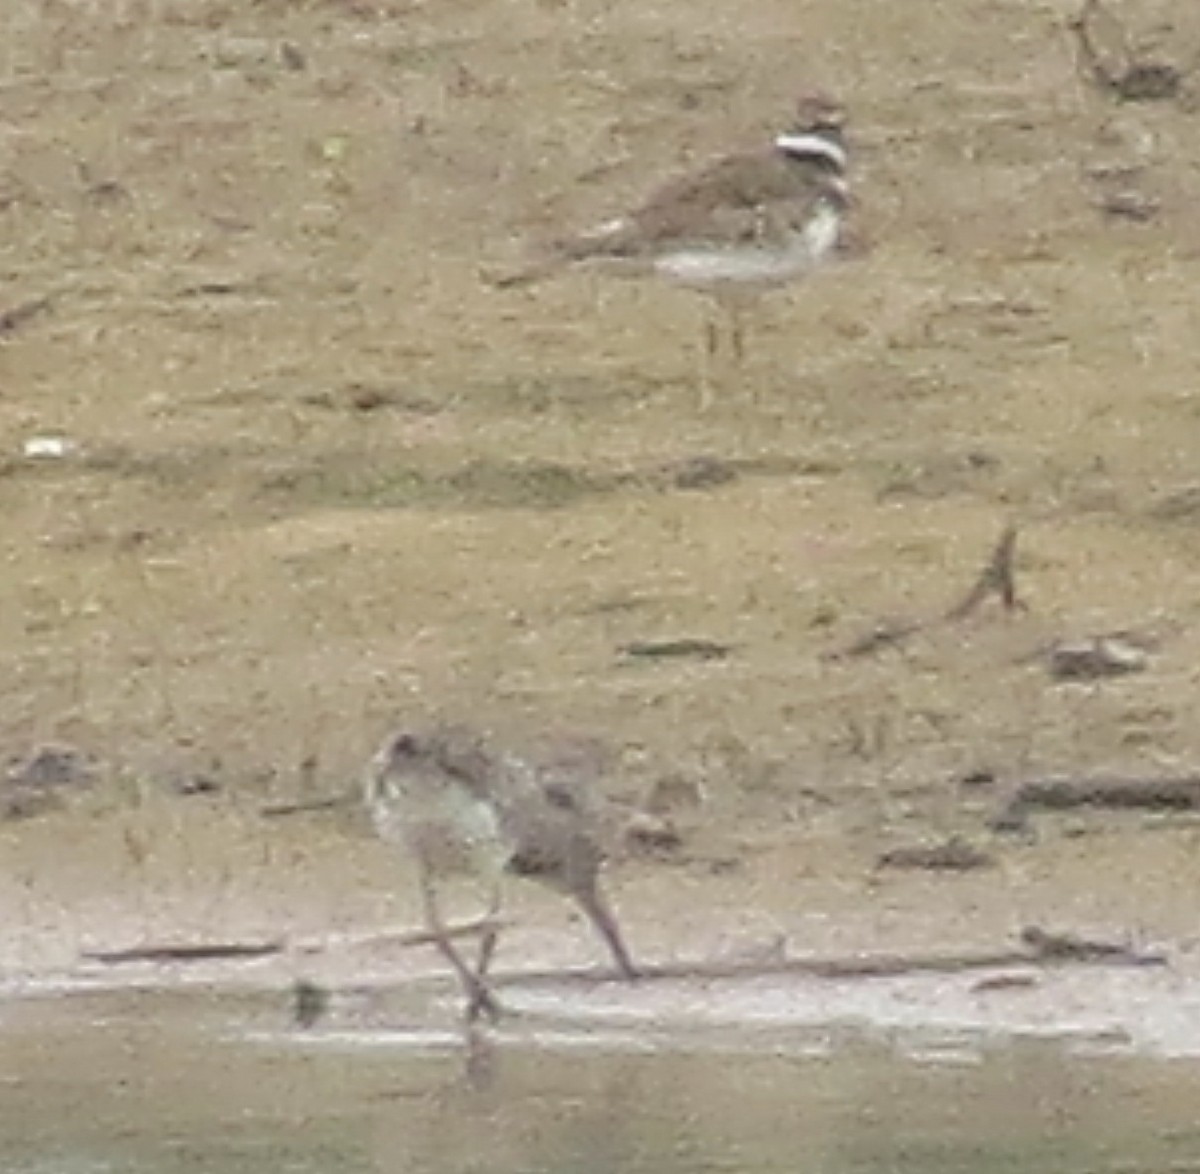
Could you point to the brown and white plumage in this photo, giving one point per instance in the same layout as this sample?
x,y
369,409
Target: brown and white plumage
x,y
739,226
461,809
754,219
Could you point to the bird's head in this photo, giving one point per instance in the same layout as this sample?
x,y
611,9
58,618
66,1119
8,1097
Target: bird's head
x,y
817,110
816,135
399,755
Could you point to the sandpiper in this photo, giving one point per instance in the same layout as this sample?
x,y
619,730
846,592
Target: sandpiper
x,y
461,809
743,224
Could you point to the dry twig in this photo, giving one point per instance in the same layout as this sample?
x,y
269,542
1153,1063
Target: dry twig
x,y
191,952
18,315
306,806
997,578
1038,948
1114,793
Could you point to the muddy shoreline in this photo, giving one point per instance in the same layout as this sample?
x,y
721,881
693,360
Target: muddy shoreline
x,y
787,936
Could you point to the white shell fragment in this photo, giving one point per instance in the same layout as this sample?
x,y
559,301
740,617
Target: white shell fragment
x,y
44,447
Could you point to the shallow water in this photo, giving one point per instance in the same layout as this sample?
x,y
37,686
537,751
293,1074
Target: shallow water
x,y
181,1083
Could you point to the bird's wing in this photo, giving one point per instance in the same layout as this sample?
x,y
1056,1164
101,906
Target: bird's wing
x,y
462,753
743,199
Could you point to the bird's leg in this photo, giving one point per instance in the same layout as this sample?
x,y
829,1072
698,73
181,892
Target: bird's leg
x,y
480,1066
601,916
724,343
712,340
479,999
712,346
487,944
737,340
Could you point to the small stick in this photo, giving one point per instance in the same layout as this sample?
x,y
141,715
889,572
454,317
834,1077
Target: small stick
x,y
229,951
1038,948
198,952
1112,792
997,578
410,937
885,634
18,315
305,806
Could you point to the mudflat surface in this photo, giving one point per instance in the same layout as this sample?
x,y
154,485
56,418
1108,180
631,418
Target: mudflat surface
x,y
317,477
183,1086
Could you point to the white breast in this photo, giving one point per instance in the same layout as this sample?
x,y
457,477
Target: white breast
x,y
822,231
448,828
755,264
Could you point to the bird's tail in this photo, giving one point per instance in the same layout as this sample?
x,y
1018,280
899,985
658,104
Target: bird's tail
x,y
607,240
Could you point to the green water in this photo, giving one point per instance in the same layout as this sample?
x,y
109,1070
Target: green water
x,y
148,1086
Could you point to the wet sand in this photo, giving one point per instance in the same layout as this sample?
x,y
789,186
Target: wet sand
x,y
172,1085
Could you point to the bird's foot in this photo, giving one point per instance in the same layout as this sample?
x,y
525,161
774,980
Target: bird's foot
x,y
482,1003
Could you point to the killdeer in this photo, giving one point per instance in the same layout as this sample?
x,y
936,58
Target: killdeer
x,y
745,223
462,810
